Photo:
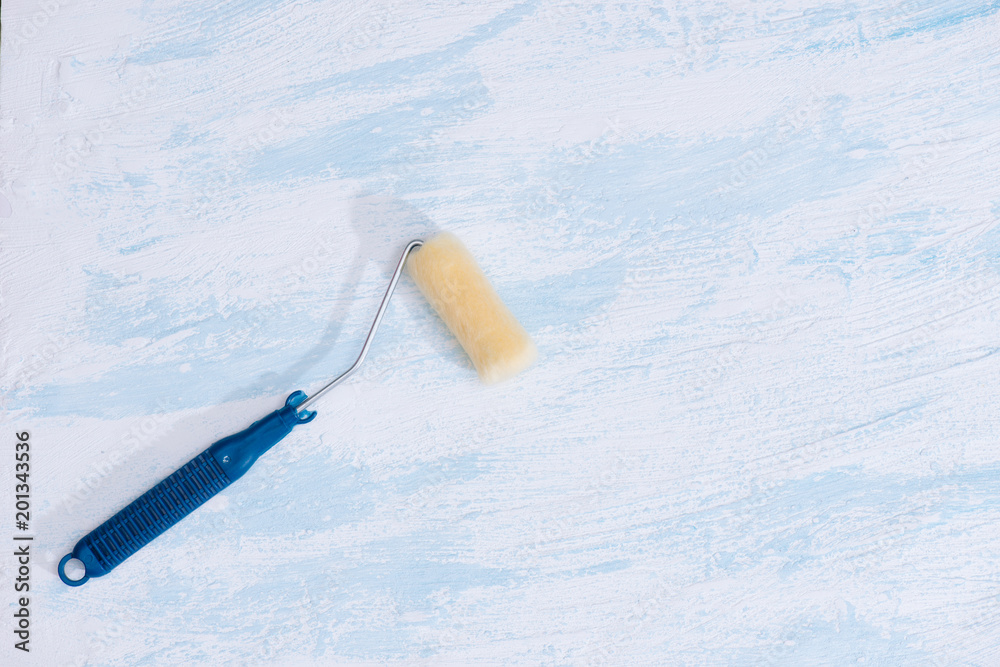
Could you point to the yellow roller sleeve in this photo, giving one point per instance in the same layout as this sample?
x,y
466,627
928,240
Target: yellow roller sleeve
x,y
456,287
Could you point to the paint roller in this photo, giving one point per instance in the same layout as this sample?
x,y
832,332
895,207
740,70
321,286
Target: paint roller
x,y
448,277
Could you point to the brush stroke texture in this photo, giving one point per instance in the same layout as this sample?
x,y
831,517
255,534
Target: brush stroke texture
x,y
757,246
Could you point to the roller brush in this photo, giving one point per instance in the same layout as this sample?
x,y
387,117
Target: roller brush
x,y
447,276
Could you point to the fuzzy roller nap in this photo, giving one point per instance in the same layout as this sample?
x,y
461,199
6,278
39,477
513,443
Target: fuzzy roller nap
x,y
456,287
449,278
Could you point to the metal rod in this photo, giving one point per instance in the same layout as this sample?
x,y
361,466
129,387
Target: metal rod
x,y
371,333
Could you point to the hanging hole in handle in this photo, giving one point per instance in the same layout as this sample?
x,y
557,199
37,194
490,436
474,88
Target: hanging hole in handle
x,y
76,567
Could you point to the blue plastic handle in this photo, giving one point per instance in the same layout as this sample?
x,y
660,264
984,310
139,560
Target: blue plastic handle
x,y
152,513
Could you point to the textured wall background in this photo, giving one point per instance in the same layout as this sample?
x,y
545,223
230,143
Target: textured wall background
x,y
757,244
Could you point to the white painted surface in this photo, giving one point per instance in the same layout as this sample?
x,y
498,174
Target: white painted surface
x,y
757,244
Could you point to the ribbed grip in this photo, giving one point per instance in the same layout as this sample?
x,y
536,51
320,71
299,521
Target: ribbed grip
x,y
181,493
156,510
